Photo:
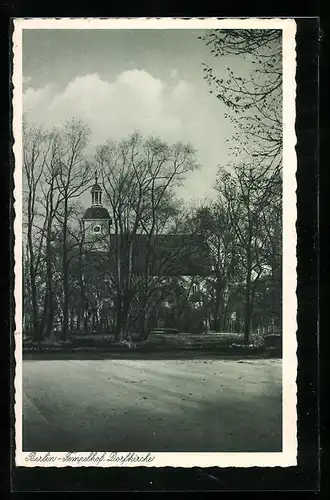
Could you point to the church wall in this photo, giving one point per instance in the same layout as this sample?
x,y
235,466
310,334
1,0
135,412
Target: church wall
x,y
97,234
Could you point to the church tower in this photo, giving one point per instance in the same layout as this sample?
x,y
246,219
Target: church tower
x,y
96,222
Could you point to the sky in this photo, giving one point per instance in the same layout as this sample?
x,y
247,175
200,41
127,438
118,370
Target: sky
x,y
118,81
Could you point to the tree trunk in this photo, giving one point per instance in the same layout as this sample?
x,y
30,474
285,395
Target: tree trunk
x,y
217,313
248,304
124,318
49,316
218,323
72,318
37,332
49,304
85,321
118,326
65,331
143,325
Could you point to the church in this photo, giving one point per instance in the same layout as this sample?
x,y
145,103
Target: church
x,y
167,254
96,221
167,266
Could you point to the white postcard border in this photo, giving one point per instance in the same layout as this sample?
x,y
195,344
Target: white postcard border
x,y
288,457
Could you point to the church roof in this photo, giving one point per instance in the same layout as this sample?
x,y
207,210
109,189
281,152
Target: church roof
x,y
96,187
164,254
96,212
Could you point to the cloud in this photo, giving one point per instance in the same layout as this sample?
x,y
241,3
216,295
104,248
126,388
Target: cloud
x,y
36,100
135,100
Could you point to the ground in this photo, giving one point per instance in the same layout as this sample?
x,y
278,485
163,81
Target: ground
x,y
223,405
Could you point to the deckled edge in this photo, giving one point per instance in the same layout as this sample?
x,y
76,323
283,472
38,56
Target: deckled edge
x,y
288,457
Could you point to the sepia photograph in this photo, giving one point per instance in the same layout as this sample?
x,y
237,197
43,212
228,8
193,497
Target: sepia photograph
x,y
155,250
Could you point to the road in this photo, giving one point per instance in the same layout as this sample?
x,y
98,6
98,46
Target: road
x,y
152,405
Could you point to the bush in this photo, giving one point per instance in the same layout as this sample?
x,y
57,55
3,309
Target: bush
x,y
127,344
273,344
257,339
245,348
161,342
273,340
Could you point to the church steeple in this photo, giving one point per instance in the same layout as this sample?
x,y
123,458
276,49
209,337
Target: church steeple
x,y
96,192
97,221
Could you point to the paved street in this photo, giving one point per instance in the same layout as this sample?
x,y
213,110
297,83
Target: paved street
x,y
155,405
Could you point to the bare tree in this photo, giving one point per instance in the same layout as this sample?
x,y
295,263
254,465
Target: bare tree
x,y
74,176
36,147
252,189
55,174
248,190
139,177
253,96
50,201
213,220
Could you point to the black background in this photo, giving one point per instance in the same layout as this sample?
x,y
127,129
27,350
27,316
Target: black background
x,y
304,477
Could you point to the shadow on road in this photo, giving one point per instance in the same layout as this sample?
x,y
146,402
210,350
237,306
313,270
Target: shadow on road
x,y
217,426
90,355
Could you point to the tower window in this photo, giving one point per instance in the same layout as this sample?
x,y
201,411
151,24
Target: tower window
x,y
97,229
97,198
